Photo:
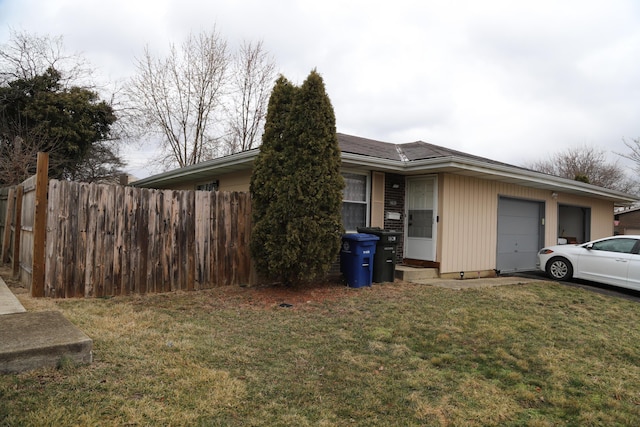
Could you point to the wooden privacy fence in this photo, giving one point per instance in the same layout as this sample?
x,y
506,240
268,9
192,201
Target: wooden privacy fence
x,y
100,240
105,240
24,222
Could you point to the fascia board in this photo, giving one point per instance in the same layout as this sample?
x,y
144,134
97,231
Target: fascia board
x,y
451,163
503,172
517,174
243,158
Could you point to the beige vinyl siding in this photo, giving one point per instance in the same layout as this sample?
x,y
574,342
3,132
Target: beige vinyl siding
x,y
235,181
468,211
377,199
183,186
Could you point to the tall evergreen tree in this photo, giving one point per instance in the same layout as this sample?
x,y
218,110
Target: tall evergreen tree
x,y
297,185
269,231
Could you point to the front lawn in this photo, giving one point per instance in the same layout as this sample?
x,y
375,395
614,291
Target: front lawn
x,y
394,355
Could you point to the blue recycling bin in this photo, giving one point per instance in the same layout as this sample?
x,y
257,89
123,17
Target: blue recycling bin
x,y
356,258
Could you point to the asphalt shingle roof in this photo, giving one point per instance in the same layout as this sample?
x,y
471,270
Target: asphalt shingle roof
x,y
411,151
367,147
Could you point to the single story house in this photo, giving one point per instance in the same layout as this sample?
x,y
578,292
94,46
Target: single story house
x,y
456,212
627,221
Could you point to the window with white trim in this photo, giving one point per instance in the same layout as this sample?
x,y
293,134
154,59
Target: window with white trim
x,y
209,186
355,201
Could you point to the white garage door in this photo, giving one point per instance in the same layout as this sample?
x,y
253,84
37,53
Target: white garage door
x,y
520,233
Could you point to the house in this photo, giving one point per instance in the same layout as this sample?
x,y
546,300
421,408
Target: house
x,y
627,221
456,212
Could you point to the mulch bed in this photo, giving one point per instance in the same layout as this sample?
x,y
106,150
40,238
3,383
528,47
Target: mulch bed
x,y
260,296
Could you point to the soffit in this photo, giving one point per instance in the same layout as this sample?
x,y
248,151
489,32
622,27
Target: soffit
x,y
417,158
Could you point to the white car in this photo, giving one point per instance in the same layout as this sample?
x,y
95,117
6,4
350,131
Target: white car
x,y
612,260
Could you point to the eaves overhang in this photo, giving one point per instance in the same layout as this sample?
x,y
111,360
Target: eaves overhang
x,y
489,171
200,171
451,164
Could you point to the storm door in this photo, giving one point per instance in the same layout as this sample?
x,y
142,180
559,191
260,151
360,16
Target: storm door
x,y
421,218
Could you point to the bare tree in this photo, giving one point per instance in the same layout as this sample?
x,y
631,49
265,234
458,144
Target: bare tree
x,y
27,55
16,160
102,165
634,154
19,149
254,72
586,164
177,97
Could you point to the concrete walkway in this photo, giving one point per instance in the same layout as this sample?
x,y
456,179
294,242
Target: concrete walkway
x,y
9,304
32,340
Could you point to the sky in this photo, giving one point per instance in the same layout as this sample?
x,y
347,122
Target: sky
x,y
513,81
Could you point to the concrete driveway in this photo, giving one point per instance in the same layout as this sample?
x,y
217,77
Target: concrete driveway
x,y
531,277
628,294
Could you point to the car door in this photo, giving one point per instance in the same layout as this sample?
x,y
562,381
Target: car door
x,y
607,261
633,274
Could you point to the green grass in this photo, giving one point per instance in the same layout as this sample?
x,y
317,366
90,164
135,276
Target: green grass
x,y
393,355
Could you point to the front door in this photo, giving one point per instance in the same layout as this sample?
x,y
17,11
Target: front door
x,y
421,218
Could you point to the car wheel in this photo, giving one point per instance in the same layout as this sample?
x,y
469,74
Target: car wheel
x,y
559,269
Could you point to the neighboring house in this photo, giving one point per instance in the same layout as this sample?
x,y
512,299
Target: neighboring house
x,y
457,212
627,221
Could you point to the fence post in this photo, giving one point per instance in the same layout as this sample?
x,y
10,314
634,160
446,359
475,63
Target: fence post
x,y
6,241
40,225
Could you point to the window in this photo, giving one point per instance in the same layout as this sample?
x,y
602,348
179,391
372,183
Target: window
x,y
210,186
623,245
355,201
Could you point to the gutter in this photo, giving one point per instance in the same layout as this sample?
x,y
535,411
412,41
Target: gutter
x,y
239,159
521,174
513,173
406,166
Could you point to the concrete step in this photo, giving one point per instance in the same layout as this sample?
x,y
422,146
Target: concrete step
x,y
33,340
410,274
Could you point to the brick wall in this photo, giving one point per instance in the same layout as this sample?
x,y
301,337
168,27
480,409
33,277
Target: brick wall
x,y
394,202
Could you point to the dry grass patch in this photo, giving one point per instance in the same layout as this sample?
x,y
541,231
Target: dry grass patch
x,y
394,354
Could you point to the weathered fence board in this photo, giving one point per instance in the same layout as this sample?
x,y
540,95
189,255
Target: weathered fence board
x,y
7,222
17,230
4,205
27,216
105,240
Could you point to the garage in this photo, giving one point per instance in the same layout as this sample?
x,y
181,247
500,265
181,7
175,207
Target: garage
x,y
574,223
520,234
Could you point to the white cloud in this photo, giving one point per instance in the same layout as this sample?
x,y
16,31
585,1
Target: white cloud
x,y
507,80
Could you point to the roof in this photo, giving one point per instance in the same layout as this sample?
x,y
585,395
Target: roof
x,y
407,152
414,158
628,210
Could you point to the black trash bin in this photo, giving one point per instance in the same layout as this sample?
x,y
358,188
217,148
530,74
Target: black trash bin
x,y
384,260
